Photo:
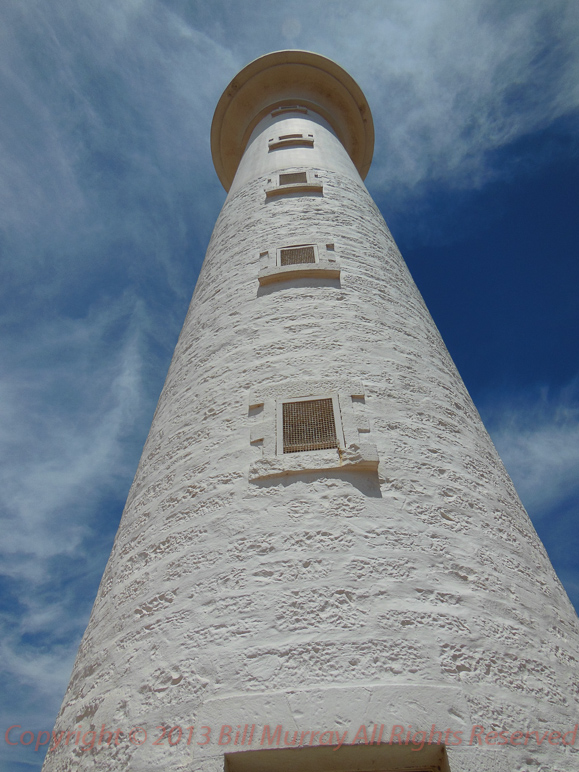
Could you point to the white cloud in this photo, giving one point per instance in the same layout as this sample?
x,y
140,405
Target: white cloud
x,y
66,412
449,82
70,399
538,440
103,103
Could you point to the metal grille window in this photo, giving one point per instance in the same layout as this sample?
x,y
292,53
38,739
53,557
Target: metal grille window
x,y
297,255
292,177
309,425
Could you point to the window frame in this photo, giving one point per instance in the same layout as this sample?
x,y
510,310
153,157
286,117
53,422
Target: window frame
x,y
279,250
326,266
299,139
312,398
275,188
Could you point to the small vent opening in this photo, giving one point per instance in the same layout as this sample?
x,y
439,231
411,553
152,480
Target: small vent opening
x,y
292,178
309,425
292,136
297,255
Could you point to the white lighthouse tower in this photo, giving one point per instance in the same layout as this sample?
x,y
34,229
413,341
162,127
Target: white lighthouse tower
x,y
321,546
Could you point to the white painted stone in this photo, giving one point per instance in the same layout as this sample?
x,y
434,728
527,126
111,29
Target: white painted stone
x,y
330,596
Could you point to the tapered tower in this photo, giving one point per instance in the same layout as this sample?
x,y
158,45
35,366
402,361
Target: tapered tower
x,y
321,546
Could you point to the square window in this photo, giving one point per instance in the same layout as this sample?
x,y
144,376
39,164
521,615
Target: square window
x,y
297,255
292,178
309,424
289,183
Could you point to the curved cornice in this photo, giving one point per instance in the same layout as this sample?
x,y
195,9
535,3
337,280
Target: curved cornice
x,y
285,78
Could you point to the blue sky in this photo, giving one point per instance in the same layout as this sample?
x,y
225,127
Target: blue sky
x,y
108,197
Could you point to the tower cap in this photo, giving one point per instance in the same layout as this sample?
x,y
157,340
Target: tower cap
x,y
288,78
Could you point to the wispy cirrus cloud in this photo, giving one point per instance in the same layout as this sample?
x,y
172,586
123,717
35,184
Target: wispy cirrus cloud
x,y
537,436
447,83
63,421
538,439
70,408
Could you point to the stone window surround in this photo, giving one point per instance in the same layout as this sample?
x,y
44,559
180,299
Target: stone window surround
x,y
273,189
298,139
356,452
326,266
279,420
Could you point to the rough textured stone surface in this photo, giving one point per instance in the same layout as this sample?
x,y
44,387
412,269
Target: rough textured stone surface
x,y
417,594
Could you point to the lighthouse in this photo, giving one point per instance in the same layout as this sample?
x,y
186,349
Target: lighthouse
x,y
322,563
